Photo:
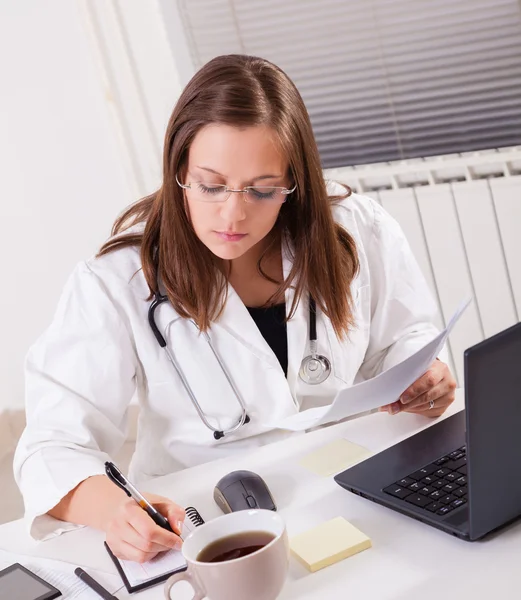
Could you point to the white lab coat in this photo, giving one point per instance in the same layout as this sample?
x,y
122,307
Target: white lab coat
x,y
99,352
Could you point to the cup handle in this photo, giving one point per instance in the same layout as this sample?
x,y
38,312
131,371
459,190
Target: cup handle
x,y
183,576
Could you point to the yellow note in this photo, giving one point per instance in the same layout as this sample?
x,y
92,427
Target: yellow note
x,y
328,543
334,457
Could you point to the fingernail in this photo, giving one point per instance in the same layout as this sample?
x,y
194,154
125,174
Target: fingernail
x,y
178,545
395,409
179,525
404,399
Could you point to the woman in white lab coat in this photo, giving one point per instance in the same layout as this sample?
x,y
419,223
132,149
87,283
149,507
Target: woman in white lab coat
x,y
241,235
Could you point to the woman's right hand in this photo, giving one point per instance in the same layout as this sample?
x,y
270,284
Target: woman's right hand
x,y
133,535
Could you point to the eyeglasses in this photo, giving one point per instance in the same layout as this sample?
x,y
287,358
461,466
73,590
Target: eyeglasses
x,y
211,192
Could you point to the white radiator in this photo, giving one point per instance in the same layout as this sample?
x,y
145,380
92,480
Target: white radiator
x,y
462,217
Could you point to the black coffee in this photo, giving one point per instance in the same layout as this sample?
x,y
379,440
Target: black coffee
x,y
235,546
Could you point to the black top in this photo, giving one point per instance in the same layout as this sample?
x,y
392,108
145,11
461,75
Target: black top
x,y
271,323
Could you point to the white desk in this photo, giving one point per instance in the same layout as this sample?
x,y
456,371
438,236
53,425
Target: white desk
x,y
408,559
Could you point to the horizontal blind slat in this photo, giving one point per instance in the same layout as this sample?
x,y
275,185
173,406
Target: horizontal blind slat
x,y
372,125
417,90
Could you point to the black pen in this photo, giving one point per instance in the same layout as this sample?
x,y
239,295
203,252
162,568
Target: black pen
x,y
94,585
117,477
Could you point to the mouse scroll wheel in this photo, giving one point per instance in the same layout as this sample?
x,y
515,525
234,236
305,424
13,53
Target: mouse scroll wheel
x,y
251,501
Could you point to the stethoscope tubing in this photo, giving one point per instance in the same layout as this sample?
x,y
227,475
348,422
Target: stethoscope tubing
x,y
244,418
218,434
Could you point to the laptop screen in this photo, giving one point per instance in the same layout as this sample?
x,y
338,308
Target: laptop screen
x,y
493,413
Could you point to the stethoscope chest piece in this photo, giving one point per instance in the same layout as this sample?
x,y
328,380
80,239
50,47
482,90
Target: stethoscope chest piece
x,y
315,369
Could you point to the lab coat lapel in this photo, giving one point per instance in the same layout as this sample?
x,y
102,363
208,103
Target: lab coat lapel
x,y
297,326
237,322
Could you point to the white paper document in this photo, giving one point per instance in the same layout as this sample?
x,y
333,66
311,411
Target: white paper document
x,y
369,395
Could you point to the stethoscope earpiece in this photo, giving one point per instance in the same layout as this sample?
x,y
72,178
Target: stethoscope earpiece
x,y
220,434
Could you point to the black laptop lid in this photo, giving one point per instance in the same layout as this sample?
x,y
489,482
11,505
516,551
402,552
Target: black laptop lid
x,y
493,412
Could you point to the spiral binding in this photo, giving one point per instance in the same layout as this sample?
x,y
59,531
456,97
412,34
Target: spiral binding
x,y
194,516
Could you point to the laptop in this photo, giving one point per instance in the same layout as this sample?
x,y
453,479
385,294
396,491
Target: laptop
x,y
463,474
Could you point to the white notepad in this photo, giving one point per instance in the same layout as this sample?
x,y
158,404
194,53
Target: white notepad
x,y
163,563
139,576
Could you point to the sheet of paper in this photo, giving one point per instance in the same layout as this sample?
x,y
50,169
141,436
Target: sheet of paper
x,y
61,576
334,457
369,395
163,563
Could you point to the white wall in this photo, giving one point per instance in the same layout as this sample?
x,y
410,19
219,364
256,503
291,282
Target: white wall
x,y
62,179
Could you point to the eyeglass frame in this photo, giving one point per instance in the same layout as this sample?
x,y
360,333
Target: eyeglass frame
x,y
284,191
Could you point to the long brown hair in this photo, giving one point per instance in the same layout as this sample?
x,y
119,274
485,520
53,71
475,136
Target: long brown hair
x,y
242,91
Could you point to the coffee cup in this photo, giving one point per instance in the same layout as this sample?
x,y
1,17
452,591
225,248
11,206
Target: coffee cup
x,y
240,555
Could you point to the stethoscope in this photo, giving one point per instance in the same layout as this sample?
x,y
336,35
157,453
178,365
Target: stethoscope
x,y
314,368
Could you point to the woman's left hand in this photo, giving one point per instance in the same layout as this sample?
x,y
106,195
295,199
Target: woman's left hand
x,y
430,395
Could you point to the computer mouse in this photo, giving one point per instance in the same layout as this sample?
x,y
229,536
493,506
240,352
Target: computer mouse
x,y
242,490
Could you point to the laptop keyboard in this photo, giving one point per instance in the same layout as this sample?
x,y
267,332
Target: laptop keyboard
x,y
438,487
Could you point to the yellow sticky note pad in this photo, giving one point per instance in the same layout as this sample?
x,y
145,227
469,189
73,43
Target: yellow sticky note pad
x,y
328,543
334,457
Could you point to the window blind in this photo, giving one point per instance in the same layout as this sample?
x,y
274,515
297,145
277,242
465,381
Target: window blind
x,y
382,79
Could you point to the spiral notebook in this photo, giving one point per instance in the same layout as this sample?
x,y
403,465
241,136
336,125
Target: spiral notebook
x,y
138,576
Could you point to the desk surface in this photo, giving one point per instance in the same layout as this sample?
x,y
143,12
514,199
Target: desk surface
x,y
408,558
